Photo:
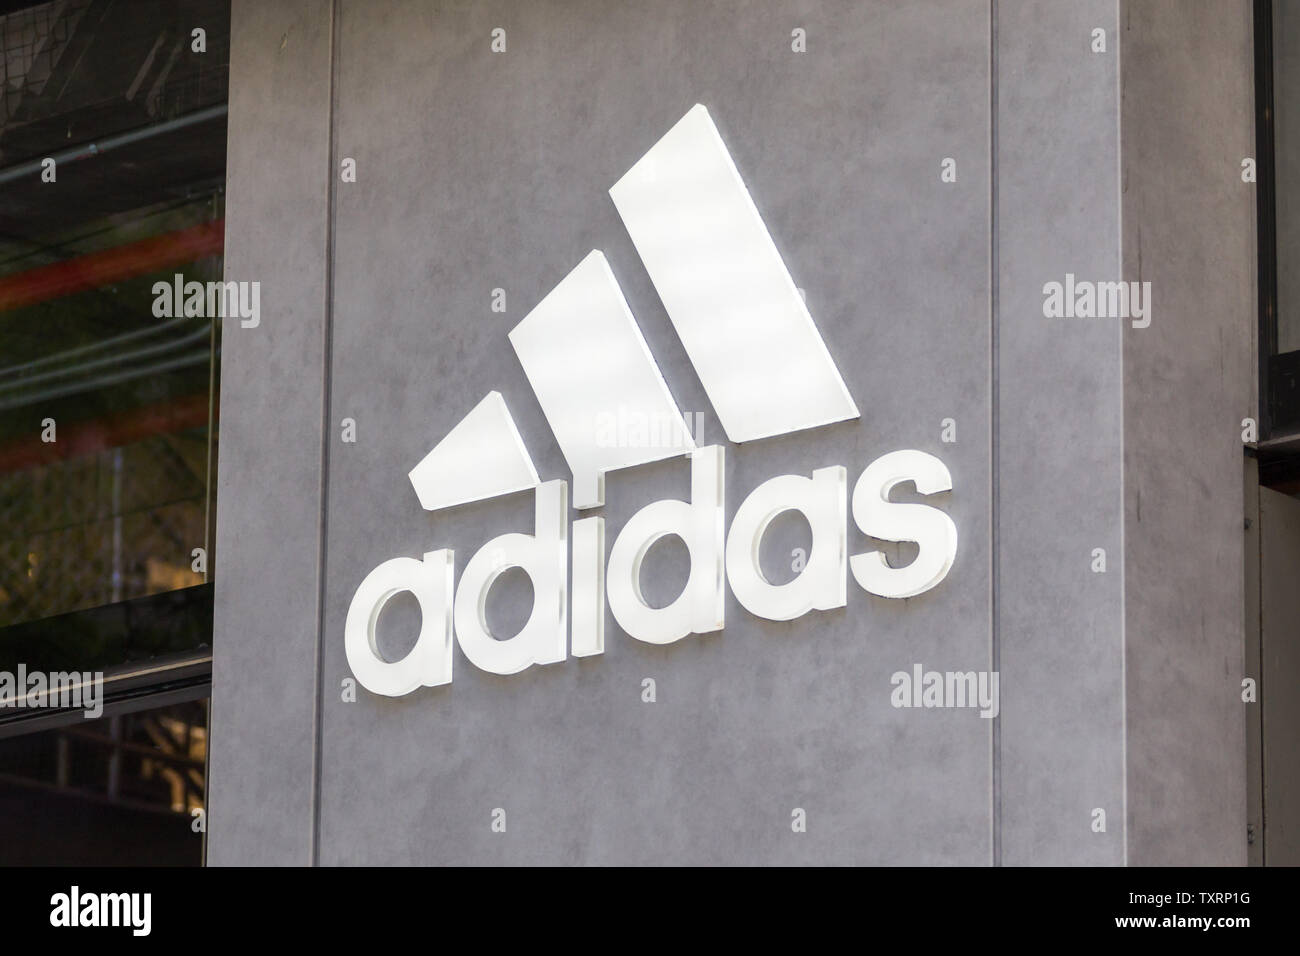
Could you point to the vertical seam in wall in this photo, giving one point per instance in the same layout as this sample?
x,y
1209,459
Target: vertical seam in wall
x,y
995,649
323,537
1123,445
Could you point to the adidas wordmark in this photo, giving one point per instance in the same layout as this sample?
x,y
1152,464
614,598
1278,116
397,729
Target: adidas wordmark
x,y
766,371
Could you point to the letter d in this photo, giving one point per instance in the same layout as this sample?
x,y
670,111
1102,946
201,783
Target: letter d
x,y
544,557
699,608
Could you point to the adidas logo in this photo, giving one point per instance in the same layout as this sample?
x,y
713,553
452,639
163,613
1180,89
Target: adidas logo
x,y
766,372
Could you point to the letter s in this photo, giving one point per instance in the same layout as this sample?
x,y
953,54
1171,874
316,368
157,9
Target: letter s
x,y
877,516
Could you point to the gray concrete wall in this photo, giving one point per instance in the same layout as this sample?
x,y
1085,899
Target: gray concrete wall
x,y
266,616
479,171
496,175
1060,626
1189,229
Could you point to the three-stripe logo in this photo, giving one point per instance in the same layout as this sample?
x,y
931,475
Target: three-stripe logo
x,y
766,371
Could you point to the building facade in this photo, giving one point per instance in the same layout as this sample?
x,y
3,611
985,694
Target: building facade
x,y
706,432
925,171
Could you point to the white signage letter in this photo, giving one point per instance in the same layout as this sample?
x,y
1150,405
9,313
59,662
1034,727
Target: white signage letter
x,y
821,583
888,520
699,608
544,557
429,662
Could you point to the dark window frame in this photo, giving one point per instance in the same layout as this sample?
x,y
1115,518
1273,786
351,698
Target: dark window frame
x,y
1279,373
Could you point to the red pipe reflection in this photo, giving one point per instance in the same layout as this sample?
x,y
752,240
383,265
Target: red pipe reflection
x,y
111,265
110,431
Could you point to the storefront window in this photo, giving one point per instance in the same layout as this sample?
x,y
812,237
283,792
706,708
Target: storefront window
x,y
112,174
1277,37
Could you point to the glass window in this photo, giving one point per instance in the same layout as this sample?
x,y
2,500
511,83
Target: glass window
x,y
1286,158
112,173
1277,39
119,791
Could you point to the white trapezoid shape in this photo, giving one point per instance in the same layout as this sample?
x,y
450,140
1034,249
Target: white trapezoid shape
x,y
731,299
599,387
481,457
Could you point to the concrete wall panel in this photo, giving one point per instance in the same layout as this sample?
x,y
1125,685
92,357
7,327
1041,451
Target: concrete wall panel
x,y
269,475
1189,230
1060,625
480,171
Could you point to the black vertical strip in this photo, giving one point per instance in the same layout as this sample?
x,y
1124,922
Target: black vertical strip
x,y
209,532
1260,677
994,305
1266,278
1266,209
326,413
